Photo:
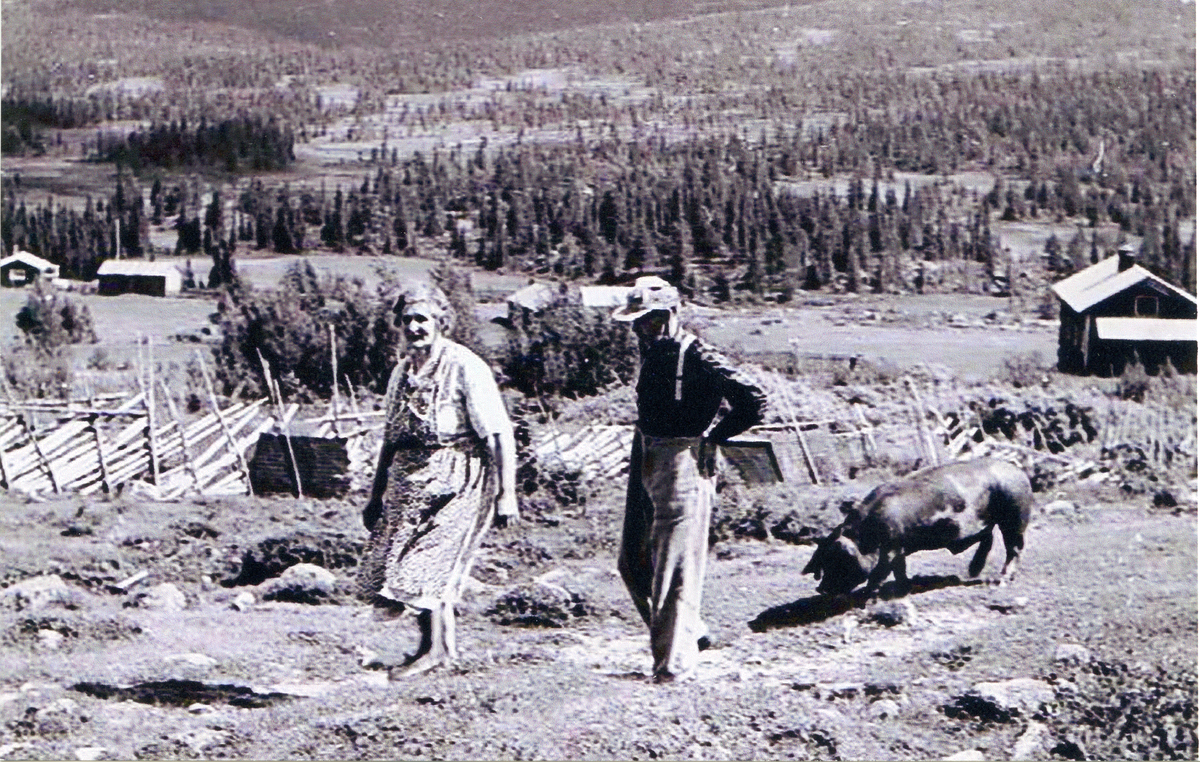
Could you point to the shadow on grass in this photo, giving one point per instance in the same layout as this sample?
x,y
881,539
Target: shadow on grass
x,y
823,606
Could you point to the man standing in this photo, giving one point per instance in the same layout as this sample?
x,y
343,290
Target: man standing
x,y
664,543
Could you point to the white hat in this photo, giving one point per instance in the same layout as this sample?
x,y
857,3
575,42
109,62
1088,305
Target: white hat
x,y
649,293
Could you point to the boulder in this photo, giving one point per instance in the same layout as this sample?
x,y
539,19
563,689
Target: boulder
x,y
302,583
199,661
163,597
966,755
39,592
1032,743
49,640
1072,653
885,708
891,613
1060,508
243,601
1023,695
59,718
539,604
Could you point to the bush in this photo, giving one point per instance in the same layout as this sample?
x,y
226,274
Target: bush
x,y
289,326
34,372
1023,371
569,350
1134,383
51,323
49,319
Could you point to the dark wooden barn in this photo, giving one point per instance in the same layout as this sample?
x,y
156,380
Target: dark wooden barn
x,y
138,276
23,268
323,463
1116,312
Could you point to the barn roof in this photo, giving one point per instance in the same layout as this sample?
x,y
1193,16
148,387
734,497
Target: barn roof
x,y
534,297
603,296
1145,329
1094,284
138,267
32,260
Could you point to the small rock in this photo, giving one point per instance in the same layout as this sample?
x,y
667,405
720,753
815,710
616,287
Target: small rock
x,y
1031,743
892,613
199,708
302,583
538,604
884,708
192,660
1024,694
243,601
39,592
90,753
199,740
1060,508
1072,653
163,597
50,640
966,755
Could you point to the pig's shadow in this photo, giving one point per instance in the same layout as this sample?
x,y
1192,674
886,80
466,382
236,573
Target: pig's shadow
x,y
823,606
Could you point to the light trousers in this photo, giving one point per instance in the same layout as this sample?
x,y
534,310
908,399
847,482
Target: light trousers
x,y
682,498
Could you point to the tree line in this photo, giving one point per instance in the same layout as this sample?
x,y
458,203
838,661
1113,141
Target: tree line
x,y
246,142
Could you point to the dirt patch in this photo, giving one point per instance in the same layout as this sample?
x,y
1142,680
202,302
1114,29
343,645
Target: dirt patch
x,y
1089,652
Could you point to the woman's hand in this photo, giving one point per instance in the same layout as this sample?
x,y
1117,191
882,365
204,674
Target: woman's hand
x,y
506,508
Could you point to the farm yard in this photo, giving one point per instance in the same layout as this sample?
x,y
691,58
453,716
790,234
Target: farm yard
x,y
869,208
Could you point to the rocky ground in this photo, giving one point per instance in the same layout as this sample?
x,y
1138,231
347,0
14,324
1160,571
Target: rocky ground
x,y
139,630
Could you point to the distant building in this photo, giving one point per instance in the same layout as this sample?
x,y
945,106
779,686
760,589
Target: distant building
x,y
603,297
23,268
137,276
531,301
1117,312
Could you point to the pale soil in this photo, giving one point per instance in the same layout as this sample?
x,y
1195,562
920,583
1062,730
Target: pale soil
x,y
791,676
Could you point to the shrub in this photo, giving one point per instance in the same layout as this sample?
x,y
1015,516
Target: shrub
x,y
289,326
51,323
39,372
49,319
1023,371
569,350
1134,383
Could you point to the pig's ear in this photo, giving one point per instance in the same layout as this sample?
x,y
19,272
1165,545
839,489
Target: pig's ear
x,y
853,515
814,565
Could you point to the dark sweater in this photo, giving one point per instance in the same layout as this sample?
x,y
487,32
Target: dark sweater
x,y
708,378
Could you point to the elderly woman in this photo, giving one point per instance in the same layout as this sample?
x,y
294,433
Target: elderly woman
x,y
446,470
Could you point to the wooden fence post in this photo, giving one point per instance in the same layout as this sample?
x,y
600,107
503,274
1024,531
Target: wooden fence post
x,y
283,422
212,398
333,400
183,442
104,482
785,397
37,448
923,436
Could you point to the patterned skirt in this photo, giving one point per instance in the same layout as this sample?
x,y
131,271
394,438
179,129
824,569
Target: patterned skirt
x,y
437,506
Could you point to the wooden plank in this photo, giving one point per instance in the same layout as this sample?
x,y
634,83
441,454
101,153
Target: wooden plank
x,y
183,438
212,396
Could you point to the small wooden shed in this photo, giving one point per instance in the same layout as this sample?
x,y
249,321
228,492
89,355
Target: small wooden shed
x,y
1117,312
138,276
322,461
23,268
